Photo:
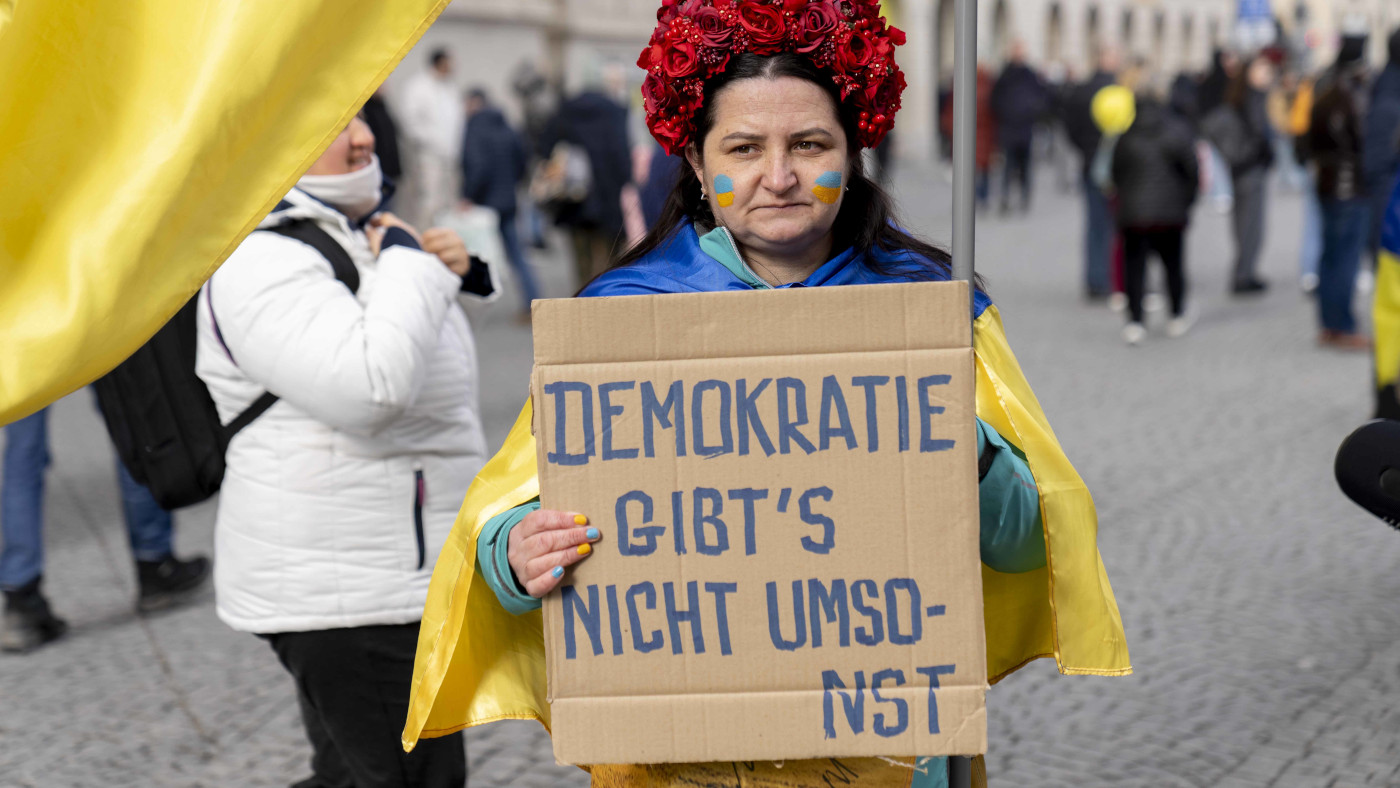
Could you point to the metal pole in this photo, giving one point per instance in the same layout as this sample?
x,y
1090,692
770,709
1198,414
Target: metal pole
x,y
964,207
964,136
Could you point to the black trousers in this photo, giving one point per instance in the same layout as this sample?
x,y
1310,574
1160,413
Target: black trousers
x,y
1017,167
1167,244
353,687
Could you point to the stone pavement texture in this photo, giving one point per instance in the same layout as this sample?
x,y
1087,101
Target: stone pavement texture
x,y
1262,609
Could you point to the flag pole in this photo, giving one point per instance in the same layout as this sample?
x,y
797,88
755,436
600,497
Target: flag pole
x,y
964,208
964,137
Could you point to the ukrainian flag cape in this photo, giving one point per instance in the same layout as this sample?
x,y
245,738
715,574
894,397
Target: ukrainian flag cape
x,y
477,663
141,140
1385,311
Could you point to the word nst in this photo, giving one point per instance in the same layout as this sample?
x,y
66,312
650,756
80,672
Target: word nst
x,y
833,613
853,700
725,416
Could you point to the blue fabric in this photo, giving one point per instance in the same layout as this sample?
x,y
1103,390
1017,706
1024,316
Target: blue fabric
x,y
1012,537
1344,229
930,773
149,527
1310,256
1098,238
492,555
679,265
398,236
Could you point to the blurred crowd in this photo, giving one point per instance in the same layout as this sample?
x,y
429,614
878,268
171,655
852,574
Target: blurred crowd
x,y
1142,147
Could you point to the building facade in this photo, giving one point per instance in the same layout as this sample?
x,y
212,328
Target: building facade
x,y
575,40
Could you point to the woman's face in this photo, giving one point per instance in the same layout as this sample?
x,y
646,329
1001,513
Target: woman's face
x,y
775,164
353,149
1261,74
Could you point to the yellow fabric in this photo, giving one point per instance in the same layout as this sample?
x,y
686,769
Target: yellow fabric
x,y
1385,317
142,140
477,663
1300,113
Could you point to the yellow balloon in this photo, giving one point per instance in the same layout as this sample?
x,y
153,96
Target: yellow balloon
x,y
1114,109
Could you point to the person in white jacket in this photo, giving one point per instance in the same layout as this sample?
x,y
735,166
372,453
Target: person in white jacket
x,y
434,116
337,499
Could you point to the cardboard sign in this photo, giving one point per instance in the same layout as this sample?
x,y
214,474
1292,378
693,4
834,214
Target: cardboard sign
x,y
786,485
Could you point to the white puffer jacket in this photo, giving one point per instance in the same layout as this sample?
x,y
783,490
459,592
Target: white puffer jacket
x,y
337,500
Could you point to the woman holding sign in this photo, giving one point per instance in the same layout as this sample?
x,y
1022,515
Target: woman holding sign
x,y
770,103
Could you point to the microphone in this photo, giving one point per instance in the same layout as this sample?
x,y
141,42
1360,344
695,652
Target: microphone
x,y
1368,469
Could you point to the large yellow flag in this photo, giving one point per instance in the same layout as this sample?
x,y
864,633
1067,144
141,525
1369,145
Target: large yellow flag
x,y
141,140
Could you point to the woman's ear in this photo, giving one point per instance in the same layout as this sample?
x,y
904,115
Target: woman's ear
x,y
692,157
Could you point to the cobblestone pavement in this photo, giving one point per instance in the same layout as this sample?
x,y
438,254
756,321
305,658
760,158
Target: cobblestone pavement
x,y
1263,610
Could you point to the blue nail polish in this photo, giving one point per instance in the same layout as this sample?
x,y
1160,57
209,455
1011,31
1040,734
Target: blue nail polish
x,y
558,571
592,533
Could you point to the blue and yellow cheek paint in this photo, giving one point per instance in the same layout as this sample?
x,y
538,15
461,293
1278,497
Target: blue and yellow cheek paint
x,y
828,188
724,191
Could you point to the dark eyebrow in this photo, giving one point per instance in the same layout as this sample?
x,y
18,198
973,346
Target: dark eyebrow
x,y
815,131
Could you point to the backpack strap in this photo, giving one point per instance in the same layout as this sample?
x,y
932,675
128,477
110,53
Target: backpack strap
x,y
311,234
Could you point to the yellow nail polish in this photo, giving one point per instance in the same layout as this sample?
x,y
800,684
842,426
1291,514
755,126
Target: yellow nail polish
x,y
580,519
585,548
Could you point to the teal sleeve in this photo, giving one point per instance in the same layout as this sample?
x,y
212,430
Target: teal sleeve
x,y
930,773
1012,537
493,561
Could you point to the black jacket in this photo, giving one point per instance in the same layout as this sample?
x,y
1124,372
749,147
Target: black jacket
x,y
1333,142
386,136
1018,101
1079,122
1154,170
493,161
599,125
1381,153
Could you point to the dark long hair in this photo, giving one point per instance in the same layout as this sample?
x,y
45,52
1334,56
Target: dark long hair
x,y
867,219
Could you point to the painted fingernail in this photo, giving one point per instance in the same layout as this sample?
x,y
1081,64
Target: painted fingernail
x,y
558,571
585,548
592,533
580,519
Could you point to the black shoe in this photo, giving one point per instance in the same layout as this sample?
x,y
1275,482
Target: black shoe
x,y
1252,287
28,621
169,581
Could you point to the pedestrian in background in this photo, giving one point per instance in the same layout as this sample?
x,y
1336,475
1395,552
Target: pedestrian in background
x,y
1225,66
1381,152
595,123
493,164
1156,178
1333,143
29,622
386,134
1019,100
432,114
337,500
1085,135
1239,129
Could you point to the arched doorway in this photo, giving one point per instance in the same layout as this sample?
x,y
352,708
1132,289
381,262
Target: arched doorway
x,y
1054,35
1093,39
1000,40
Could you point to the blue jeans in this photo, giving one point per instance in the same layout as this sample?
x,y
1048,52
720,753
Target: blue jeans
x,y
510,236
1098,238
1345,224
1311,252
22,506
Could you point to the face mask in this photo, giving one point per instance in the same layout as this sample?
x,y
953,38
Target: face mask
x,y
354,194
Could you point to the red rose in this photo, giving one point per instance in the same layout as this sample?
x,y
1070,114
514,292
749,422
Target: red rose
x,y
764,24
856,54
659,95
651,56
716,33
680,59
814,23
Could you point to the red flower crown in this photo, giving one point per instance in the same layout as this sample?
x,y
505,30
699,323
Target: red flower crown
x,y
694,39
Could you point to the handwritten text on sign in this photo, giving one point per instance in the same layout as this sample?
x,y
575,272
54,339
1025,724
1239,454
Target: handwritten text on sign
x,y
628,420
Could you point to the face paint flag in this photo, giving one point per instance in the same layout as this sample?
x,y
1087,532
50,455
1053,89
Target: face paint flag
x,y
828,188
724,191
143,141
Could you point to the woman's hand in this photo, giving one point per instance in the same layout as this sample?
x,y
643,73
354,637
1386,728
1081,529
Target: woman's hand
x,y
378,223
449,248
545,542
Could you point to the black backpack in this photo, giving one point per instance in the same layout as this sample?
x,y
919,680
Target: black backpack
x,y
159,413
